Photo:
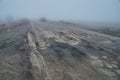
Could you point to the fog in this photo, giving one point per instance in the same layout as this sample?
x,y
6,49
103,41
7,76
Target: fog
x,y
75,10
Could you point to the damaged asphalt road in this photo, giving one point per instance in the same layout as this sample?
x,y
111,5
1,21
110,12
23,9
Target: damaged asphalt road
x,y
33,50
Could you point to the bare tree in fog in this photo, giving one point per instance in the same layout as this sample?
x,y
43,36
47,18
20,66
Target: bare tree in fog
x,y
43,19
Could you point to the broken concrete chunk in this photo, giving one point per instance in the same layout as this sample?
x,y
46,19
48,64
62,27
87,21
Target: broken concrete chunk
x,y
93,57
118,72
97,62
105,57
107,72
108,65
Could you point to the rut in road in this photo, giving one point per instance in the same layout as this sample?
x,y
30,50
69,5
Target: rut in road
x,y
38,68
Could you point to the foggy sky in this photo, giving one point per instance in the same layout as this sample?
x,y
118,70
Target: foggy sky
x,y
86,10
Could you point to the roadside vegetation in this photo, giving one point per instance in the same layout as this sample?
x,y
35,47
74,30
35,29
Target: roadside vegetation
x,y
6,42
108,30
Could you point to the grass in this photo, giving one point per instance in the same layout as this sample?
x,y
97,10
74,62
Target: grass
x,y
108,30
4,43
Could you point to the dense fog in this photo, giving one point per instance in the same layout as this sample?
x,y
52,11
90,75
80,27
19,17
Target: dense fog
x,y
74,10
